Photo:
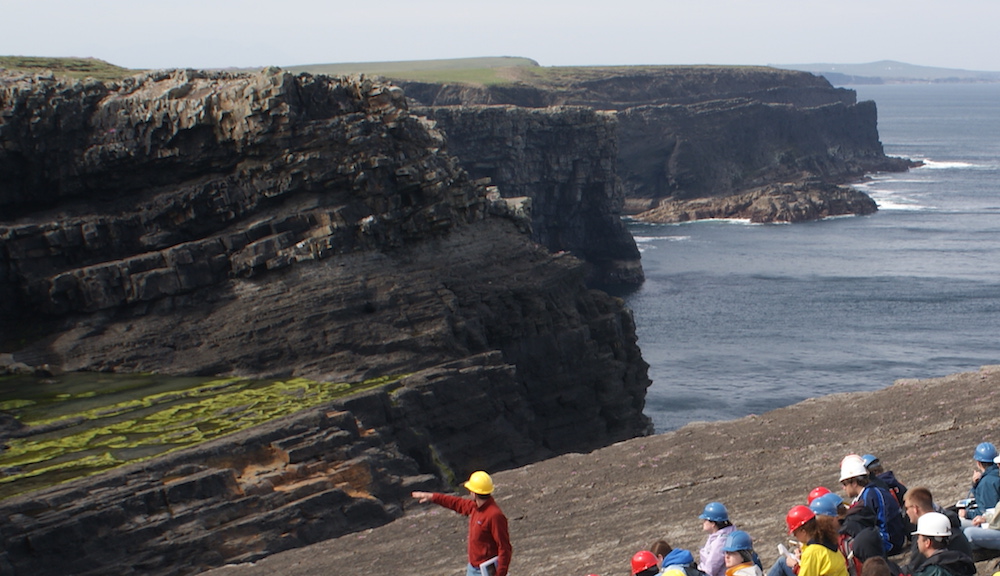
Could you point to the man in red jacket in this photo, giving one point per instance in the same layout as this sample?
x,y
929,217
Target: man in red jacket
x,y
488,536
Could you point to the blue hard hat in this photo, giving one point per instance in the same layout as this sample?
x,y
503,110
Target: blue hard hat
x,y
985,452
738,540
715,512
826,504
869,459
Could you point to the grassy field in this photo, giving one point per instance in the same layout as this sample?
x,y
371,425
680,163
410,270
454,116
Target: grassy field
x,y
72,67
486,71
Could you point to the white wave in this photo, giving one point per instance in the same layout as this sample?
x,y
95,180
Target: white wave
x,y
644,239
899,204
934,165
741,221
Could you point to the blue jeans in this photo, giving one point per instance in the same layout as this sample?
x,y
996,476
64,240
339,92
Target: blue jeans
x,y
780,568
982,537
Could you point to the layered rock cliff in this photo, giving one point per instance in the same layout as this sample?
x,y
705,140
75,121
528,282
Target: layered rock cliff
x,y
277,225
563,159
699,132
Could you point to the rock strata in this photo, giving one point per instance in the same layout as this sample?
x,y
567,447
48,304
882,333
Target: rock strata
x,y
271,225
564,160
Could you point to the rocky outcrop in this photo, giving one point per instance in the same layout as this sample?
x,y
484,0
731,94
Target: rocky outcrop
x,y
563,159
319,474
697,132
792,202
271,225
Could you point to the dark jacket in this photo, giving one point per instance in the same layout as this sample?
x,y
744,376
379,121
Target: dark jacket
x,y
987,492
956,563
888,517
860,526
895,487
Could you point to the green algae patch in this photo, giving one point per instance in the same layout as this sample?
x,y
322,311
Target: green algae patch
x,y
77,431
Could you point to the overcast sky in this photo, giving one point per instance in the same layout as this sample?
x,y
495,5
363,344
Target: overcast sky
x,y
251,33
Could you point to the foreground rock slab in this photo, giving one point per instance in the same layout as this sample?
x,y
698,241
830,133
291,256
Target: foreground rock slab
x,y
588,513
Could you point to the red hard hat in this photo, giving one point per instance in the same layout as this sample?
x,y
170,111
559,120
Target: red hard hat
x,y
798,516
643,560
816,493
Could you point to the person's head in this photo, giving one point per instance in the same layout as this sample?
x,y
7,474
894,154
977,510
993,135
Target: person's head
x,y
853,475
660,549
805,526
816,493
797,518
644,563
933,532
873,464
984,455
875,566
738,548
480,485
918,501
827,505
714,517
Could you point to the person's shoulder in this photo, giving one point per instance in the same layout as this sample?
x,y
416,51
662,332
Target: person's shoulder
x,y
932,570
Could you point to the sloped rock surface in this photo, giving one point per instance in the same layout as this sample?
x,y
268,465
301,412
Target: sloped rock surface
x,y
589,513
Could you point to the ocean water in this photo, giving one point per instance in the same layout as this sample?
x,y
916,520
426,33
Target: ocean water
x,y
738,319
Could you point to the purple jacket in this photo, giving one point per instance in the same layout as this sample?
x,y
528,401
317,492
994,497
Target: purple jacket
x,y
711,557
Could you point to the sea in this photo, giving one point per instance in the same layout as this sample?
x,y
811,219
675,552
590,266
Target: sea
x,y
737,318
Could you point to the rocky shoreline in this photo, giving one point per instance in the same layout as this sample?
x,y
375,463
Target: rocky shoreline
x,y
776,203
587,513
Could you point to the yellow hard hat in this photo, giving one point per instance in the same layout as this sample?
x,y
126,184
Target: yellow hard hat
x,y
480,483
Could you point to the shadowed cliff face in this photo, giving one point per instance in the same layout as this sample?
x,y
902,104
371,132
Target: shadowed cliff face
x,y
273,225
563,159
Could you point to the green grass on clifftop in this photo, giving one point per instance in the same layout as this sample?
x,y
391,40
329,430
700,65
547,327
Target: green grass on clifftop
x,y
71,67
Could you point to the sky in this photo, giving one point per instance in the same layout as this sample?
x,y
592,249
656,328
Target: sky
x,y
252,33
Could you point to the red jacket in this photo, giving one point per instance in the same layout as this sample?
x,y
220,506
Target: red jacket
x,y
488,536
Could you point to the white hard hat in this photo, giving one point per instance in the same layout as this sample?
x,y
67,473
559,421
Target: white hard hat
x,y
933,524
852,466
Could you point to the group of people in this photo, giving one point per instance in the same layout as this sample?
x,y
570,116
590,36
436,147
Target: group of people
x,y
832,537
860,537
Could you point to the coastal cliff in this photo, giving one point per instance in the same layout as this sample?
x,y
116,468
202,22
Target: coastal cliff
x,y
700,132
563,159
271,225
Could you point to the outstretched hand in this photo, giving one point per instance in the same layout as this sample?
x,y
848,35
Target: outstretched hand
x,y
422,497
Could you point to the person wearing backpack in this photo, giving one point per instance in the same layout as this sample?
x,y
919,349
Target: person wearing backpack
x,y
856,482
933,531
884,479
859,538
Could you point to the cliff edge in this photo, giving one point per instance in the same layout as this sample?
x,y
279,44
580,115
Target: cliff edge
x,y
588,513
